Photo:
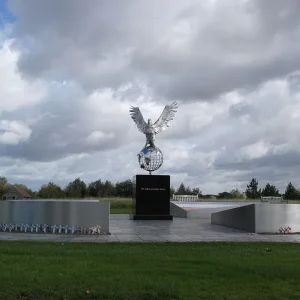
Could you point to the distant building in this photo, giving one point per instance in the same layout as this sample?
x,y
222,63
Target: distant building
x,y
16,193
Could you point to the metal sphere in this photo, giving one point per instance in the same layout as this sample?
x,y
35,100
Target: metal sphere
x,y
150,158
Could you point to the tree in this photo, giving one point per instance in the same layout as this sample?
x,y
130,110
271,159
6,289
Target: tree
x,y
236,194
76,189
108,189
50,191
3,186
124,188
252,191
95,189
224,195
291,193
196,191
181,190
188,191
269,191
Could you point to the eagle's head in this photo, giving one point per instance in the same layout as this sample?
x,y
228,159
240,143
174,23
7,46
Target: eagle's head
x,y
149,122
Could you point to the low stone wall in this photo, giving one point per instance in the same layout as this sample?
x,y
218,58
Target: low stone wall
x,y
203,210
261,218
79,213
177,211
242,218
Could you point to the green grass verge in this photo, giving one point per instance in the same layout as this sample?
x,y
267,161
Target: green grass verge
x,y
118,211
38,270
120,206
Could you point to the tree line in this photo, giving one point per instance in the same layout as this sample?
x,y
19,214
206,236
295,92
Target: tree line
x,y
253,192
75,189
99,189
79,189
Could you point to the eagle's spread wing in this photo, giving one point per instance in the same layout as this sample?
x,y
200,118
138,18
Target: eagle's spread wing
x,y
137,117
165,118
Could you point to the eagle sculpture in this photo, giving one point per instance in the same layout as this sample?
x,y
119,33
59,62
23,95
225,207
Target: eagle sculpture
x,y
149,129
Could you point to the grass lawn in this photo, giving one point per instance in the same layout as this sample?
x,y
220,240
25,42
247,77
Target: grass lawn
x,y
126,210
120,205
32,270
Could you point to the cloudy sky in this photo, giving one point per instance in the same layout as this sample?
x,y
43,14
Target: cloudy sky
x,y
69,69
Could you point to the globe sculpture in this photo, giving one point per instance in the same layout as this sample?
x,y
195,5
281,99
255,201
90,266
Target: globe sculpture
x,y
150,157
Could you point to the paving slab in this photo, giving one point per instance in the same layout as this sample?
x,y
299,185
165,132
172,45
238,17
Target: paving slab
x,y
152,238
84,238
129,238
101,239
123,229
174,238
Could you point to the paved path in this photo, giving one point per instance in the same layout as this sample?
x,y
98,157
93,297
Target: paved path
x,y
179,230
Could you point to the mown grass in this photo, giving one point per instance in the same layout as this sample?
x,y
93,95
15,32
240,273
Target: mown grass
x,y
33,270
120,205
121,211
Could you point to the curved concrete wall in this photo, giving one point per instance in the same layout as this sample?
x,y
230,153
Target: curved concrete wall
x,y
60,212
270,217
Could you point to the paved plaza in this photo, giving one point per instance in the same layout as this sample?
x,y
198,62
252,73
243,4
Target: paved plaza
x,y
123,229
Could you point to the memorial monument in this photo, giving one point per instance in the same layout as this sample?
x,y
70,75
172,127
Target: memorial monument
x,y
151,193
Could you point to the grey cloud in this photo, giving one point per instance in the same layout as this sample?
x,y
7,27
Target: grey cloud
x,y
65,39
242,109
63,130
222,59
271,161
294,82
108,44
198,80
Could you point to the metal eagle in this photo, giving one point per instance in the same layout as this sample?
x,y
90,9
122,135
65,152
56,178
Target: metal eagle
x,y
149,129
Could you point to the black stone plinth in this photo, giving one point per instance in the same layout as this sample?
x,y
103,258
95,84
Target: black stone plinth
x,y
151,197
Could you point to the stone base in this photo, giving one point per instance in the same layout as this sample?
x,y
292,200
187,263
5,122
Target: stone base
x,y
152,217
151,197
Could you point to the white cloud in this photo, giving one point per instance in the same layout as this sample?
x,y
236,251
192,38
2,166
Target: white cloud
x,y
15,91
256,150
14,132
97,137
